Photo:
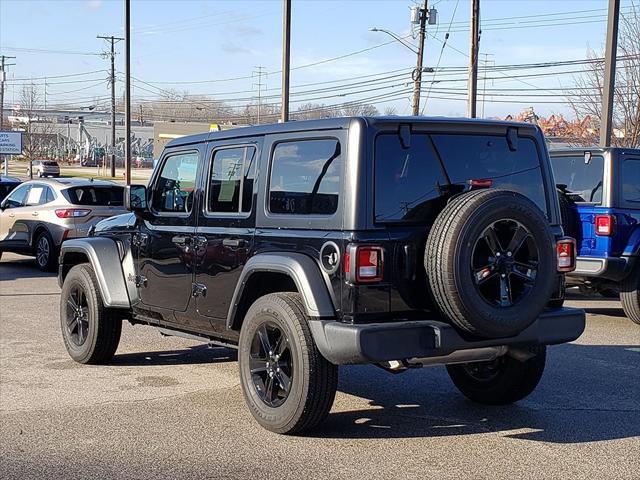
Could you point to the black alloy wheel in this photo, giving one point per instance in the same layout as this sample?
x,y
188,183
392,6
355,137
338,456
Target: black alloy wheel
x,y
77,316
504,263
271,364
43,251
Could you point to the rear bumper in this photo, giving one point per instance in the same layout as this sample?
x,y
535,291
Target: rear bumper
x,y
608,268
342,343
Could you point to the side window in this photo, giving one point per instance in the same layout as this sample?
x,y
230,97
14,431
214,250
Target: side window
x,y
36,196
231,181
49,195
174,189
305,177
631,181
18,197
406,179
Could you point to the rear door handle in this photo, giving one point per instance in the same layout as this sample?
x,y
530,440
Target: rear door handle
x,y
233,242
35,214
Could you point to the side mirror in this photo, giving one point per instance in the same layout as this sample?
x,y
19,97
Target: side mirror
x,y
135,198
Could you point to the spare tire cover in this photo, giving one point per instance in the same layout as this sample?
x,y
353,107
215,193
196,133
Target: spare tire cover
x,y
490,262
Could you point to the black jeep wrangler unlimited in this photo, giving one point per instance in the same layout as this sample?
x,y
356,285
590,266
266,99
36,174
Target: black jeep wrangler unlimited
x,y
400,242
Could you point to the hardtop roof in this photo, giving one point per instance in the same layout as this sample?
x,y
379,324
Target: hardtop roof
x,y
335,123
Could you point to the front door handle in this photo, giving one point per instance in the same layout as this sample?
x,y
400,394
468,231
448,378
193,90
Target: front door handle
x,y
180,240
234,242
35,214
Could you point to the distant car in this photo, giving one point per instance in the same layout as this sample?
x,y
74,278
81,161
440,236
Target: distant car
x,y
7,184
601,205
39,215
45,168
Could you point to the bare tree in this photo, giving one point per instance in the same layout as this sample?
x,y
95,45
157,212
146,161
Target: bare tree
x,y
356,109
390,110
586,96
37,136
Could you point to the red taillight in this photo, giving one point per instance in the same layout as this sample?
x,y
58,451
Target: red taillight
x,y
72,212
566,254
604,225
481,182
363,264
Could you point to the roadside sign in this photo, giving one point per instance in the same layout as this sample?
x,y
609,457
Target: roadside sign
x,y
10,143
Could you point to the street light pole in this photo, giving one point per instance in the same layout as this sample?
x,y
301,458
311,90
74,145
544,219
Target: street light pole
x,y
417,73
127,91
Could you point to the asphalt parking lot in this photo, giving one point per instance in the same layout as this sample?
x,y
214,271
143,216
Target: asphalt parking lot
x,y
172,408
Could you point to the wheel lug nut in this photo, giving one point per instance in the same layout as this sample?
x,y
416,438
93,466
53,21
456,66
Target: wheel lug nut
x,y
503,275
508,254
498,254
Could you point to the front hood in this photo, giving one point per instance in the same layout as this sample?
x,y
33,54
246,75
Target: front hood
x,y
118,223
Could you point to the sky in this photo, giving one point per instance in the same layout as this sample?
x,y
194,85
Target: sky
x,y
216,41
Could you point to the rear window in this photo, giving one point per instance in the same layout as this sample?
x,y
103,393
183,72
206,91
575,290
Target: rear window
x,y
305,177
410,183
96,196
583,180
51,164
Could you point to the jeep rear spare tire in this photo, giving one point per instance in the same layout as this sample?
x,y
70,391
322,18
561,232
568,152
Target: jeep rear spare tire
x,y
490,262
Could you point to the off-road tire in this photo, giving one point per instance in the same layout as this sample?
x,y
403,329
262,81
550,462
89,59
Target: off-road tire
x,y
556,303
104,325
513,380
448,256
630,294
46,255
314,382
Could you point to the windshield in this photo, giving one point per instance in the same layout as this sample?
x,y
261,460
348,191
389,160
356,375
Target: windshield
x,y
95,196
583,181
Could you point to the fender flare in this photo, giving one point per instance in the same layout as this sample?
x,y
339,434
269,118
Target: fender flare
x,y
104,256
304,272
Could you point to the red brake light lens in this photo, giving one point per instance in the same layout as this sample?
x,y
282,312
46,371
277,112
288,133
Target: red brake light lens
x,y
566,254
363,264
72,212
604,225
369,264
481,182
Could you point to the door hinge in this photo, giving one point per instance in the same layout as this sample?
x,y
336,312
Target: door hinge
x,y
140,239
198,290
139,280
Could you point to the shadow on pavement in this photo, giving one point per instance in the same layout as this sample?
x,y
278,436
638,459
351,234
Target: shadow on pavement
x,y
588,393
199,354
21,267
611,312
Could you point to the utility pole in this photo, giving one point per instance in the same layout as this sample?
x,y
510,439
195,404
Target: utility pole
x,y
127,91
417,73
3,75
609,73
473,57
112,81
286,59
259,72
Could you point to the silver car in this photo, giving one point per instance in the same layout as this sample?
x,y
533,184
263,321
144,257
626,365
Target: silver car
x,y
37,216
44,168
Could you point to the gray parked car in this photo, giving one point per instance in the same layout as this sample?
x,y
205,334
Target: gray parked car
x,y
44,168
39,215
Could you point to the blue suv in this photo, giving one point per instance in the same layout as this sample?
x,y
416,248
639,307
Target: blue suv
x,y
600,203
